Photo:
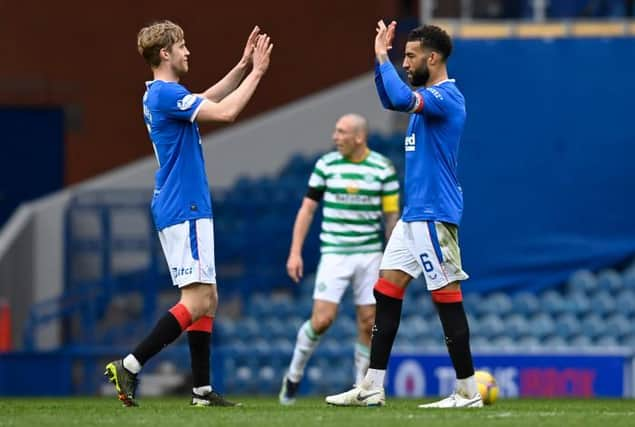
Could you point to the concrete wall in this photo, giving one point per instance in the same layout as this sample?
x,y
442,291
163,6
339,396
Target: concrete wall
x,y
82,55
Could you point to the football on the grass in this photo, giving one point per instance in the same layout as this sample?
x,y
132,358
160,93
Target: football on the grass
x,y
486,386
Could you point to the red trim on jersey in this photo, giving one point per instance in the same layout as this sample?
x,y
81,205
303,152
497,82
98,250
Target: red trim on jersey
x,y
182,315
447,296
418,107
204,324
388,288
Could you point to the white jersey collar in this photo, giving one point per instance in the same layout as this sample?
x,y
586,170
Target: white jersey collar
x,y
445,81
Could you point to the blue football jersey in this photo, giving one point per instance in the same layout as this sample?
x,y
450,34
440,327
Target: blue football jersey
x,y
181,190
431,145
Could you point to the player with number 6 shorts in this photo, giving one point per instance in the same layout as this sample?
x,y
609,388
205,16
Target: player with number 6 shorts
x,y
356,186
425,240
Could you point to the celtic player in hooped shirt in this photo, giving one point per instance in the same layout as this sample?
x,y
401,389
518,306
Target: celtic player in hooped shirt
x,y
358,188
181,206
425,240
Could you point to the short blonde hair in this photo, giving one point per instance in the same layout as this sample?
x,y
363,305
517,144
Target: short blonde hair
x,y
156,36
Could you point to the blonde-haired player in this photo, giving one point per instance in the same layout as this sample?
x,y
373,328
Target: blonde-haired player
x,y
181,205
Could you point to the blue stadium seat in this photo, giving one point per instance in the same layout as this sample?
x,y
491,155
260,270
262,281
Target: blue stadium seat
x,y
480,343
581,340
472,322
593,325
628,278
579,301
610,280
319,380
567,325
409,307
628,340
340,378
234,342
425,304
284,345
432,344
406,332
499,303
422,328
582,280
224,330
528,342
490,326
554,342
436,330
483,307
344,328
304,308
331,347
268,380
417,291
247,328
282,305
261,346
516,325
273,327
504,342
525,303
603,303
541,325
471,302
553,303
306,286
294,321
403,341
259,307
244,380
618,326
606,341
625,302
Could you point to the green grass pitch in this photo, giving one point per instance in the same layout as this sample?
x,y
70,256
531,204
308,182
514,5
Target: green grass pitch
x,y
173,412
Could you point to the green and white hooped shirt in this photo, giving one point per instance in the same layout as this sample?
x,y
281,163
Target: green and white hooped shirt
x,y
355,195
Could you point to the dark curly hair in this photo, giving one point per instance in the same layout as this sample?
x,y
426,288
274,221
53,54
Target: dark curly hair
x,y
432,37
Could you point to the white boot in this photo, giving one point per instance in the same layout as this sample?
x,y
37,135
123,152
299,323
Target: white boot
x,y
455,400
358,396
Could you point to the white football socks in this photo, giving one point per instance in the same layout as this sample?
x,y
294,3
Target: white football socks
x,y
362,360
305,345
131,364
374,379
467,387
201,391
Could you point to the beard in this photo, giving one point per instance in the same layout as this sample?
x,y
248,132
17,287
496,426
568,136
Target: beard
x,y
419,77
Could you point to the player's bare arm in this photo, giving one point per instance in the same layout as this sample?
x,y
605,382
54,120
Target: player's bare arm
x,y
383,40
232,79
390,220
295,265
229,107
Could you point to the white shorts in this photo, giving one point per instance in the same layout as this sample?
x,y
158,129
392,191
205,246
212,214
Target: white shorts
x,y
337,271
425,247
189,250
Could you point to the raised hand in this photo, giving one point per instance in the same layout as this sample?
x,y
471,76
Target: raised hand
x,y
262,53
384,38
250,46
